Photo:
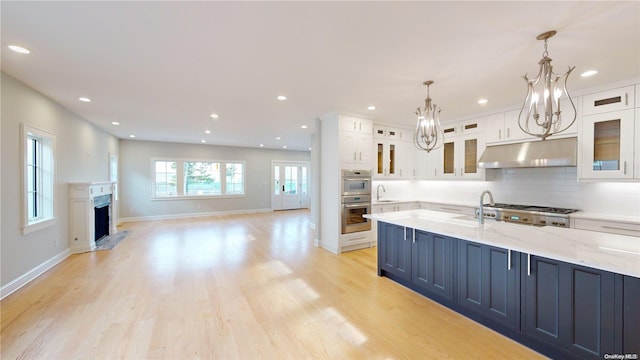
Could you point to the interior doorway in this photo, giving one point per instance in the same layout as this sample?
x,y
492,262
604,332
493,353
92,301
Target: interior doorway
x,y
289,185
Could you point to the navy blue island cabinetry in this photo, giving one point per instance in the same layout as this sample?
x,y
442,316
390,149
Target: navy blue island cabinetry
x,y
488,282
563,310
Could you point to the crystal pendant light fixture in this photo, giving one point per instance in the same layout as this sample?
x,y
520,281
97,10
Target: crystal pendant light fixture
x,y
540,114
429,134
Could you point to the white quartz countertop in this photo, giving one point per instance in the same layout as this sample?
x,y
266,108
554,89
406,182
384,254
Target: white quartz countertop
x,y
610,252
630,219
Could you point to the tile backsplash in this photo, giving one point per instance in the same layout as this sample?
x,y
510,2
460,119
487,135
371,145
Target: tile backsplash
x,y
557,187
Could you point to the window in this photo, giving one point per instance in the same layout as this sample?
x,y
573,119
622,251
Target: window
x,y
235,179
166,178
38,157
202,178
197,178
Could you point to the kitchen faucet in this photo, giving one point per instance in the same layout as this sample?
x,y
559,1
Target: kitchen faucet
x,y
491,203
378,191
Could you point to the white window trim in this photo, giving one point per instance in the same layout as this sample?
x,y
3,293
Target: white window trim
x,y
180,179
49,185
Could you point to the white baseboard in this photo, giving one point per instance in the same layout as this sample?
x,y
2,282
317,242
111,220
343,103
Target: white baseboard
x,y
30,275
190,215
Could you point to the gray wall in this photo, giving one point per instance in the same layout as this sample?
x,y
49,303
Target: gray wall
x,y
135,178
82,152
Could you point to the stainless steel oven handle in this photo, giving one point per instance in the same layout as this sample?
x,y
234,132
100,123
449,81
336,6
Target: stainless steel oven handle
x,y
356,205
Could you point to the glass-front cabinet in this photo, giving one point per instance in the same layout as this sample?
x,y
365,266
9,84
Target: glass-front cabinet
x,y
463,145
394,153
608,145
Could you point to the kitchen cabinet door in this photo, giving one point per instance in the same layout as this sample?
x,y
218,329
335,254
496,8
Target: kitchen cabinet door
x,y
607,146
355,149
394,252
631,316
463,144
432,263
488,282
610,100
386,158
569,306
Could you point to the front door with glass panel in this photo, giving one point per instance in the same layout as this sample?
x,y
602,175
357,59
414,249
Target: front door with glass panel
x,y
290,185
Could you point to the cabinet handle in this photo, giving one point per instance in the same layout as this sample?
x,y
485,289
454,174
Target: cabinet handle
x,y
625,167
508,133
461,172
354,126
405,233
509,260
626,99
360,156
414,236
528,264
499,134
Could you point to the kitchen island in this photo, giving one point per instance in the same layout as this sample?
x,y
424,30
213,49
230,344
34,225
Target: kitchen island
x,y
567,293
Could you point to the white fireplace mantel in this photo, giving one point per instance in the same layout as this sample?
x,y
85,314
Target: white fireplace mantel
x,y
81,213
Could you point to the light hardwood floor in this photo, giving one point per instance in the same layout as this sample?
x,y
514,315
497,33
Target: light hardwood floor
x,y
233,287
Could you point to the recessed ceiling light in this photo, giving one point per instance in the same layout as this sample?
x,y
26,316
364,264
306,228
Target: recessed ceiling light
x,y
309,149
371,107
589,73
261,145
84,99
214,115
115,123
207,131
203,141
282,97
132,136
483,101
19,49
303,126
284,146
278,138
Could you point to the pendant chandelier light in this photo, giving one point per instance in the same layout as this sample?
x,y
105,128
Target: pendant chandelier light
x,y
540,114
429,135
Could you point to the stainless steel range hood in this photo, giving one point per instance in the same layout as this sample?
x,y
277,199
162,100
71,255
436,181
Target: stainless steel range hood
x,y
541,153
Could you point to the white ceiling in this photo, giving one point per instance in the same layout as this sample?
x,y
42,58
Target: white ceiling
x,y
160,68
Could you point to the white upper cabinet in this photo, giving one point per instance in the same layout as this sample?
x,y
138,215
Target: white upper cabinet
x,y
393,152
354,124
609,137
391,133
607,145
464,142
503,127
611,100
355,142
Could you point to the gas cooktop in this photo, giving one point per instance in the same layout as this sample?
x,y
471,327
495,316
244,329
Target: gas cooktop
x,y
531,208
528,214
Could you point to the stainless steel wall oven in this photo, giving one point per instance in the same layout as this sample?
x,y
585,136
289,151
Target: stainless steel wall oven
x,y
356,182
356,200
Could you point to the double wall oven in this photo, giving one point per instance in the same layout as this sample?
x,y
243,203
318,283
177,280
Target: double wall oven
x,y
356,200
